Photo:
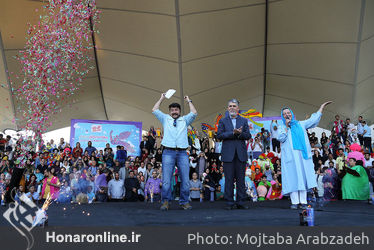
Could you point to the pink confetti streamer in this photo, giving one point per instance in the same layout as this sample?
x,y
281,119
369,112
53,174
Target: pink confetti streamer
x,y
54,61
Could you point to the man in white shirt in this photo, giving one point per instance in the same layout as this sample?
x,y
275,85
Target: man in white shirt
x,y
32,195
53,144
116,188
62,144
142,168
218,146
368,160
256,148
274,135
351,130
367,137
124,171
249,149
360,130
330,158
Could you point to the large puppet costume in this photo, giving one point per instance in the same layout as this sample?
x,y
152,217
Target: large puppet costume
x,y
275,192
263,160
298,173
355,183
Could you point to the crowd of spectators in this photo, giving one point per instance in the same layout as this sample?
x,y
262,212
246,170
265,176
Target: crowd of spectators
x,y
85,174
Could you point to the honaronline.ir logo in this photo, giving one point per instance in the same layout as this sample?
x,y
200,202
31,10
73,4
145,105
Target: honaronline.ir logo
x,y
24,215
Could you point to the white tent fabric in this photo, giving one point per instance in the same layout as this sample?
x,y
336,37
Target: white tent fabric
x,y
214,50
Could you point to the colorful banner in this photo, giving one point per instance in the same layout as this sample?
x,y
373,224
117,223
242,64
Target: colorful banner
x,y
254,129
265,121
127,134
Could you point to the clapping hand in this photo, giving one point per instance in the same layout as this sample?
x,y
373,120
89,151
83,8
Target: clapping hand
x,y
238,131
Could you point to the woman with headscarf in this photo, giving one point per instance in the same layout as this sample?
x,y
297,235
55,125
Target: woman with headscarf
x,y
298,173
324,139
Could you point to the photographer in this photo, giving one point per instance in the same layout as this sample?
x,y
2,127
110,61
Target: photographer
x,y
257,148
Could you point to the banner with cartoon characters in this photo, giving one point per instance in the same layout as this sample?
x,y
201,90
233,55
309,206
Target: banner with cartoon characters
x,y
263,122
127,134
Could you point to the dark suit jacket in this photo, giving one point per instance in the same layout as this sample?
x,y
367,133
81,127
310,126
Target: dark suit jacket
x,y
231,142
147,145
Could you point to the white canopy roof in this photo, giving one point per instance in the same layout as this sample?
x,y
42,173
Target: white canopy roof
x,y
214,50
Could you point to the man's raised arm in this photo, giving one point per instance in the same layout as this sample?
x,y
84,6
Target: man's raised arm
x,y
192,107
158,103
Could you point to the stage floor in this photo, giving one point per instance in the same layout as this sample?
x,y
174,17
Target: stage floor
x,y
266,213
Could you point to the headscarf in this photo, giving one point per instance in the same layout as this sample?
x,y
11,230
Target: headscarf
x,y
297,133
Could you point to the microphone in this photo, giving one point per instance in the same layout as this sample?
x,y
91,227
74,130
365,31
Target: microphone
x,y
289,118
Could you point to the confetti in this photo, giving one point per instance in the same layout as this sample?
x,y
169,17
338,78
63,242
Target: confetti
x,y
54,61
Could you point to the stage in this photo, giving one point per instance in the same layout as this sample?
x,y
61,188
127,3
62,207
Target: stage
x,y
266,213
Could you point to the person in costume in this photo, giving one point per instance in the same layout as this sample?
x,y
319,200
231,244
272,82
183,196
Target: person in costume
x,y
51,186
254,166
263,160
355,183
257,176
263,188
272,157
275,191
298,173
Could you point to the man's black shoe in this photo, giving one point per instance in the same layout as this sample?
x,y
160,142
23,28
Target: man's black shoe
x,y
242,207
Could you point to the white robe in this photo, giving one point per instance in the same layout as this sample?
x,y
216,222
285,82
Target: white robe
x,y
297,173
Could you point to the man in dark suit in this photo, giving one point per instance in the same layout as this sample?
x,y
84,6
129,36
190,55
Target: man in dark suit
x,y
145,144
131,185
233,130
